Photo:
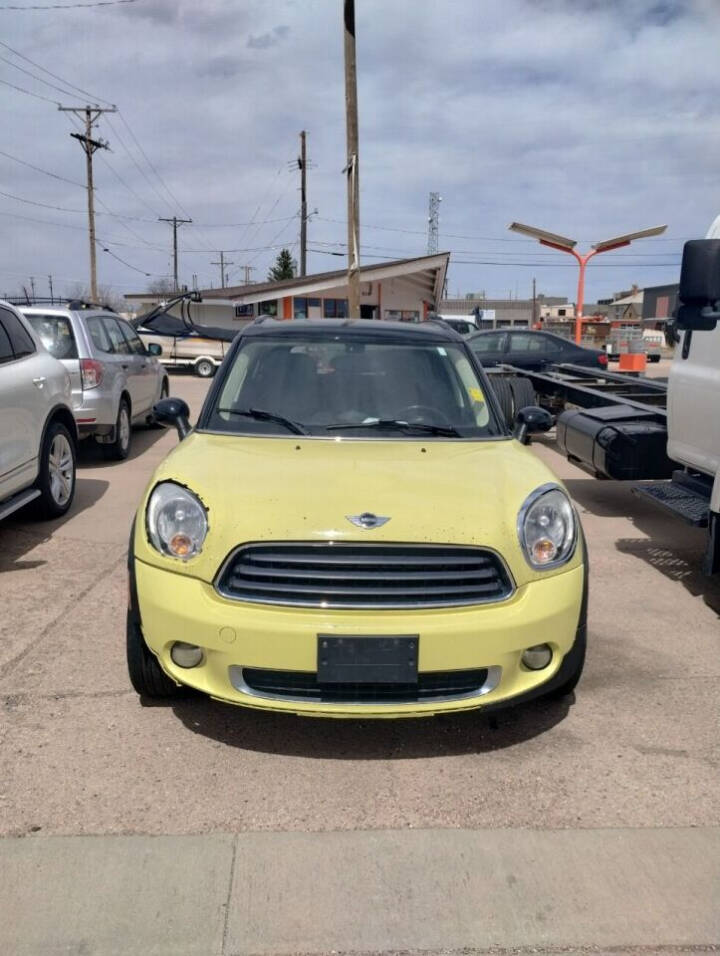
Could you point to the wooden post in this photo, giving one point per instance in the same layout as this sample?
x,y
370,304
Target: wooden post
x,y
352,168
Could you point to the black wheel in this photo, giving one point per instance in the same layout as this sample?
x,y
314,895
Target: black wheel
x,y
164,392
523,393
503,392
571,668
119,448
204,368
146,675
56,477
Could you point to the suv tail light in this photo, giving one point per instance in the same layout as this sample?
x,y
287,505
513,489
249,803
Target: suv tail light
x,y
602,359
92,372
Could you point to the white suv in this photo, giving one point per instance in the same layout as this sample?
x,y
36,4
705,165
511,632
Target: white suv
x,y
38,436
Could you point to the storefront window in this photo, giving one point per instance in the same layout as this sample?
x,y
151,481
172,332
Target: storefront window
x,y
244,311
269,307
300,308
335,308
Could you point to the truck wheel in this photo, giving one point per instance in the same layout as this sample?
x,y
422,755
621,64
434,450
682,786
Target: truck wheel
x,y
56,477
204,368
119,448
523,393
146,675
504,395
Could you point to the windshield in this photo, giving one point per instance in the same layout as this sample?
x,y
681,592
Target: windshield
x,y
56,334
336,385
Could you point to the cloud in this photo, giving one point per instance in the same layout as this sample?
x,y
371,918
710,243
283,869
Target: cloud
x,y
266,40
588,118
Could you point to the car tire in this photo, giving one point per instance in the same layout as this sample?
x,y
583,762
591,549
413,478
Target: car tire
x,y
164,392
146,675
56,476
504,395
204,368
523,393
119,448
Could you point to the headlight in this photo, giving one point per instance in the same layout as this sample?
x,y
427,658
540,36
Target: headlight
x,y
547,527
176,521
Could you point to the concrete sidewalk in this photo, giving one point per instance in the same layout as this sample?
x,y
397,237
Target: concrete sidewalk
x,y
480,891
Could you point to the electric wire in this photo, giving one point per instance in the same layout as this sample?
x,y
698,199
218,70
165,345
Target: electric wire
x,y
37,96
72,86
45,172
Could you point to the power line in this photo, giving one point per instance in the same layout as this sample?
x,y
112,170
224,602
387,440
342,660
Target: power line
x,y
70,6
450,235
45,172
71,86
34,76
137,165
37,96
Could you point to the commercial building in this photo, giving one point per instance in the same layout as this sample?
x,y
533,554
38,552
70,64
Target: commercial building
x,y
404,290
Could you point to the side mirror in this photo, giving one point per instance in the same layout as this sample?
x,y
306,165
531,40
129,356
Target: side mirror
x,y
154,349
699,286
173,412
531,419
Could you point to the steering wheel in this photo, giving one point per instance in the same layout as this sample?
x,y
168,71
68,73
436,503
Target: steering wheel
x,y
424,415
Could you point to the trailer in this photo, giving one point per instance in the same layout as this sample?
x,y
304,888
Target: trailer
x,y
615,426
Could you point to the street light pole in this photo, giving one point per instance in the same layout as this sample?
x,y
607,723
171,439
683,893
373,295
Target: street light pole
x,y
563,244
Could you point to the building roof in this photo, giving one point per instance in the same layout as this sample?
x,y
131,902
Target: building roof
x,y
634,299
428,275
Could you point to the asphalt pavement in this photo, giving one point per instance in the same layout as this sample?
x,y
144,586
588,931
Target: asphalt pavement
x,y
197,827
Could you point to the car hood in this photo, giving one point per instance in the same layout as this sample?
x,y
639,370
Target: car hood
x,y
305,489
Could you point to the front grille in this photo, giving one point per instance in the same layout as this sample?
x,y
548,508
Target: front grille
x,y
302,685
340,575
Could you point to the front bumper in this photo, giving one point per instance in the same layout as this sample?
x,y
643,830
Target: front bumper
x,y
174,607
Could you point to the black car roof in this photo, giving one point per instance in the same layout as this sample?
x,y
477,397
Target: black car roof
x,y
412,331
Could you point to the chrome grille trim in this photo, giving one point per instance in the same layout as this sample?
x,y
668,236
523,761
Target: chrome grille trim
x,y
363,575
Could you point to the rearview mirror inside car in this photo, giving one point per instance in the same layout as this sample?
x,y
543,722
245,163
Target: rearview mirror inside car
x,y
173,412
699,292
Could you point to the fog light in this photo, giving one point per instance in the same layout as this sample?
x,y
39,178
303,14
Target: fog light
x,y
537,657
186,655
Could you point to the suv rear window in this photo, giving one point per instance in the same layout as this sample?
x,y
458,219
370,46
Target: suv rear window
x,y
56,334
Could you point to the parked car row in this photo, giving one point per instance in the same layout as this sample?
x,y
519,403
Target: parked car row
x,y
67,373
531,350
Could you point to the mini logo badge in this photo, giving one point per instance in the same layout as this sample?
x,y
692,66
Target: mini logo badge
x,y
367,520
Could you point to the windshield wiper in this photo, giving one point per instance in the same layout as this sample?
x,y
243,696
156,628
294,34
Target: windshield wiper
x,y
397,424
262,416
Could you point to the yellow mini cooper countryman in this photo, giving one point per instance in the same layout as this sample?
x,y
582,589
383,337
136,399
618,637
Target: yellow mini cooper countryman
x,y
351,530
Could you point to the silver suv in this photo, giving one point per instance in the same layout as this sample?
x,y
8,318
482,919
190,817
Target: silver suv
x,y
37,430
115,379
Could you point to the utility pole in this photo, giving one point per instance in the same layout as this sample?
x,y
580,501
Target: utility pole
x,y
90,114
534,307
352,168
247,270
52,298
175,223
32,286
223,275
302,163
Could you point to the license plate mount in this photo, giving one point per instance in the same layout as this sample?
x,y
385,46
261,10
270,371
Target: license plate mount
x,y
367,659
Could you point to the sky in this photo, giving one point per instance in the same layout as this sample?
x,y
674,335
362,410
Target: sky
x,y
589,118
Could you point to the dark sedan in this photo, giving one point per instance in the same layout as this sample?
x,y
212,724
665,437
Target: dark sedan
x,y
531,350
